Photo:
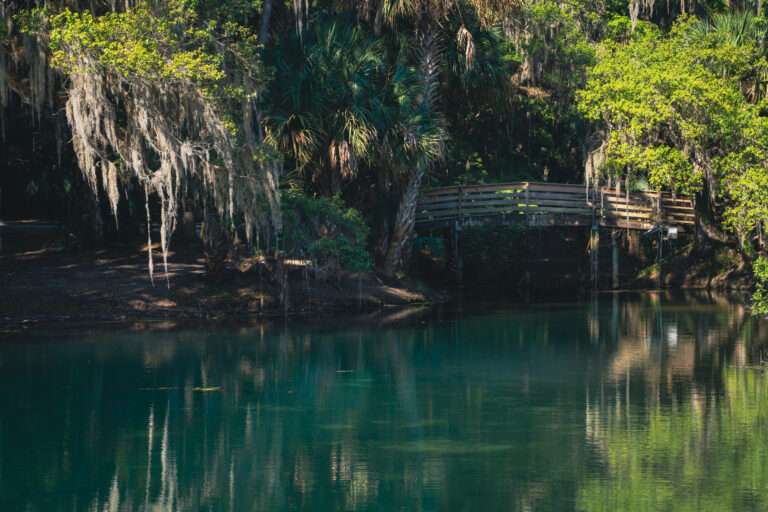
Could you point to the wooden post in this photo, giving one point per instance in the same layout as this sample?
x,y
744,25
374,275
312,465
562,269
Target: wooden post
x,y
659,213
615,259
594,245
659,257
527,196
457,264
660,248
458,261
634,246
594,253
602,204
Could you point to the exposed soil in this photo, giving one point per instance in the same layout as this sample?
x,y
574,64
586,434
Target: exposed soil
x,y
53,287
43,287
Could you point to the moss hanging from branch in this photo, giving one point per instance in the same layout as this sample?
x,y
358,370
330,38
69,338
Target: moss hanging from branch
x,y
152,98
24,65
641,8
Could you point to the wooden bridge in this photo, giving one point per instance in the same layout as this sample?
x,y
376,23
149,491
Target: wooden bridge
x,y
552,204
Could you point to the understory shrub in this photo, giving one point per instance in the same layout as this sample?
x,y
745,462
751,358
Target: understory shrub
x,y
326,231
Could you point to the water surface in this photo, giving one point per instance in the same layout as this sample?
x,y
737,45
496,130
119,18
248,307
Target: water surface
x,y
621,403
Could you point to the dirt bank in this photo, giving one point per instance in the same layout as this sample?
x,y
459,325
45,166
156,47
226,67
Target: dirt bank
x,y
114,285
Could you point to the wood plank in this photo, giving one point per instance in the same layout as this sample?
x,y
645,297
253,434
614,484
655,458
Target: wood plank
x,y
685,222
565,187
523,204
644,226
626,215
630,207
577,198
528,211
679,216
687,209
620,210
504,200
474,209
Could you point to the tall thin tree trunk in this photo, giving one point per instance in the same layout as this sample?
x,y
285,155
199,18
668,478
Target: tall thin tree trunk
x,y
266,16
404,222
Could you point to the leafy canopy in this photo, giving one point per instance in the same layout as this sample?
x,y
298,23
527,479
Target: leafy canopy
x,y
674,110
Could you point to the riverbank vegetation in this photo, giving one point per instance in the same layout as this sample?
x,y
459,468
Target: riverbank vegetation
x,y
307,129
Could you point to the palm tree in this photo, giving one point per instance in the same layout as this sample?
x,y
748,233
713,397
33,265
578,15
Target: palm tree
x,y
421,137
738,29
326,104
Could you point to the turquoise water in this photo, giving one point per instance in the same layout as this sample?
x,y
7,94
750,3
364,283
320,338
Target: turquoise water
x,y
623,403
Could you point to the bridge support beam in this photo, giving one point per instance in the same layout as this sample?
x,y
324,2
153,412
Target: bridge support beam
x,y
615,234
456,263
659,259
634,244
594,256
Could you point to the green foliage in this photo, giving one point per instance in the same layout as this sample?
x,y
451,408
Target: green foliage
x,y
674,110
350,97
327,104
559,41
760,297
663,166
325,230
137,43
515,108
683,108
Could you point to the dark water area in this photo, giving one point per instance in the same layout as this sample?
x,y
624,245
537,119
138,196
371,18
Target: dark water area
x,y
619,403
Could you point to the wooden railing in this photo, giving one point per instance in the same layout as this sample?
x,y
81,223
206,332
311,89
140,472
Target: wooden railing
x,y
553,204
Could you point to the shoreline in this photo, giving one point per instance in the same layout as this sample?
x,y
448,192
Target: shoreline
x,y
113,286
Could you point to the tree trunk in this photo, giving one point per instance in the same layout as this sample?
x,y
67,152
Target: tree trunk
x,y
91,226
266,15
404,222
215,243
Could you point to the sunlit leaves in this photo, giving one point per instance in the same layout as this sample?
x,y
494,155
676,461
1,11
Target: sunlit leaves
x,y
663,166
673,107
137,43
760,297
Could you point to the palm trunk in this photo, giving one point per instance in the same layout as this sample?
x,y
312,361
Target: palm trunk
x,y
404,222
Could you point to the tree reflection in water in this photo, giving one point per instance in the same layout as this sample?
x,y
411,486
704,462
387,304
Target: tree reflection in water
x,y
679,419
623,403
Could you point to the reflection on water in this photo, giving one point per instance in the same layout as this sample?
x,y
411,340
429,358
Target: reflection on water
x,y
622,403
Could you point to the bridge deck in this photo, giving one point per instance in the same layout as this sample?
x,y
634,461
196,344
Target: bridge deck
x,y
552,204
